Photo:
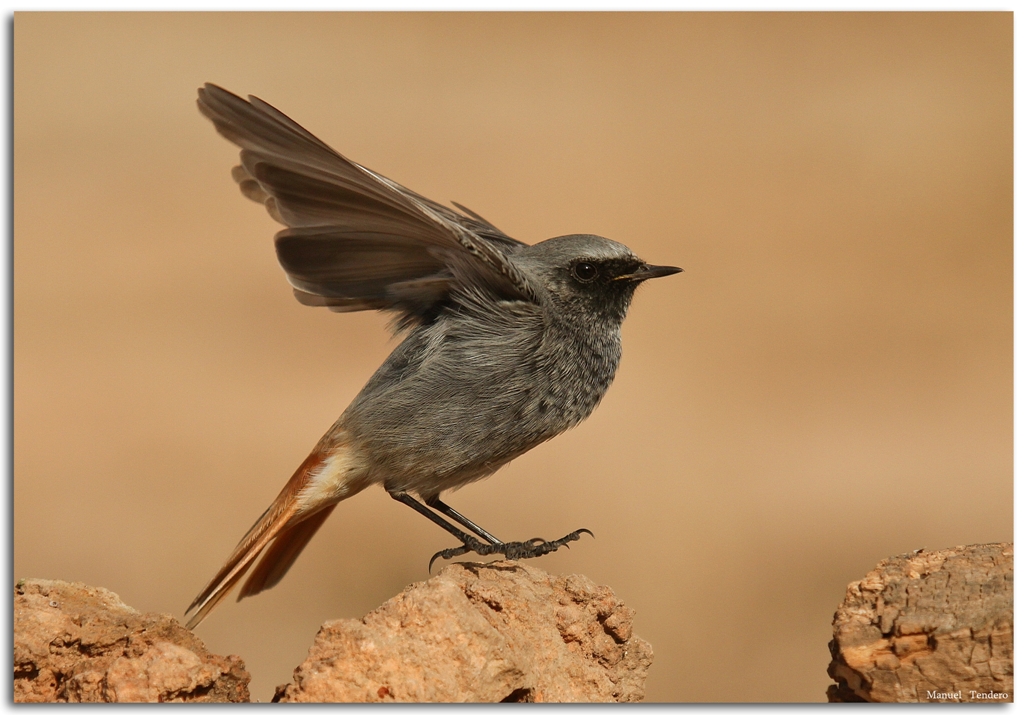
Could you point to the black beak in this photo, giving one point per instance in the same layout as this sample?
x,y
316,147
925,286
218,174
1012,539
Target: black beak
x,y
645,271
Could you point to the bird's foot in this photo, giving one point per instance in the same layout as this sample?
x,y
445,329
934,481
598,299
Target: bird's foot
x,y
510,550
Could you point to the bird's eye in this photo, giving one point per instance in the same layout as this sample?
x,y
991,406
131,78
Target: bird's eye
x,y
584,272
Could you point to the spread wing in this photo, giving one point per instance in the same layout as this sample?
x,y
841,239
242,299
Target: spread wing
x,y
355,239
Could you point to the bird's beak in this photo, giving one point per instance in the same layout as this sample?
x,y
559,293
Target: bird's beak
x,y
646,271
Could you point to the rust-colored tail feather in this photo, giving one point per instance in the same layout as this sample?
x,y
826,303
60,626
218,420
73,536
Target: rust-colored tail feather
x,y
282,553
284,522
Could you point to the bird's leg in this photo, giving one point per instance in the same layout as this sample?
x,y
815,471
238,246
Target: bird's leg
x,y
435,503
510,550
408,500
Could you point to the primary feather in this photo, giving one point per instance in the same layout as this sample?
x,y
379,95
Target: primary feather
x,y
355,239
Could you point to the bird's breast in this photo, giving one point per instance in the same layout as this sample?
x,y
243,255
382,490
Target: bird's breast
x,y
579,371
457,405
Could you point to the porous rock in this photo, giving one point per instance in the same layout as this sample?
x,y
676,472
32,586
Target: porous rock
x,y
76,643
480,633
929,626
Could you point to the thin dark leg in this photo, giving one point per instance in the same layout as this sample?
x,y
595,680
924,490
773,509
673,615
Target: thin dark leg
x,y
409,501
510,550
435,503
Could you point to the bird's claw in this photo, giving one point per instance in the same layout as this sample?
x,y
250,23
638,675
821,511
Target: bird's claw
x,y
451,553
512,550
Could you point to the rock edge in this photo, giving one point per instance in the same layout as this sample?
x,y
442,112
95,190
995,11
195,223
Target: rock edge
x,y
929,626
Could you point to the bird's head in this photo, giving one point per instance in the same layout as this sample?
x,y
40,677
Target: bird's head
x,y
588,277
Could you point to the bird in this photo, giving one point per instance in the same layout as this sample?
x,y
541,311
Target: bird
x,y
504,344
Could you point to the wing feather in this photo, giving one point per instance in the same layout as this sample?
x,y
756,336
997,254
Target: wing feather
x,y
355,239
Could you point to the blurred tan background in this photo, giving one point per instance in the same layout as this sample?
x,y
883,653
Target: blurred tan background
x,y
828,383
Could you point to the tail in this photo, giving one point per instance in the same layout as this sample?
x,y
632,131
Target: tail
x,y
309,497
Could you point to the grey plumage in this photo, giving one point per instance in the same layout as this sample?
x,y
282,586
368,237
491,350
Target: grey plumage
x,y
506,345
492,379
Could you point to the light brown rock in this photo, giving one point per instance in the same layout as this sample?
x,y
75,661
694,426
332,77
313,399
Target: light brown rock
x,y
76,643
481,633
928,626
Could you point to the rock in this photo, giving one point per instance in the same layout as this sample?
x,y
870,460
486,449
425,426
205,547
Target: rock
x,y
76,643
928,626
495,632
473,633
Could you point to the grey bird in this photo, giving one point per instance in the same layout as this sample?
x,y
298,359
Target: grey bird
x,y
505,344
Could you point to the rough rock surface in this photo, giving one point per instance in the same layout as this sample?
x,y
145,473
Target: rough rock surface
x,y
480,633
928,626
76,643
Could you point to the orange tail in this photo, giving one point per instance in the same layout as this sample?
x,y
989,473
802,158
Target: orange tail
x,y
286,527
283,552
